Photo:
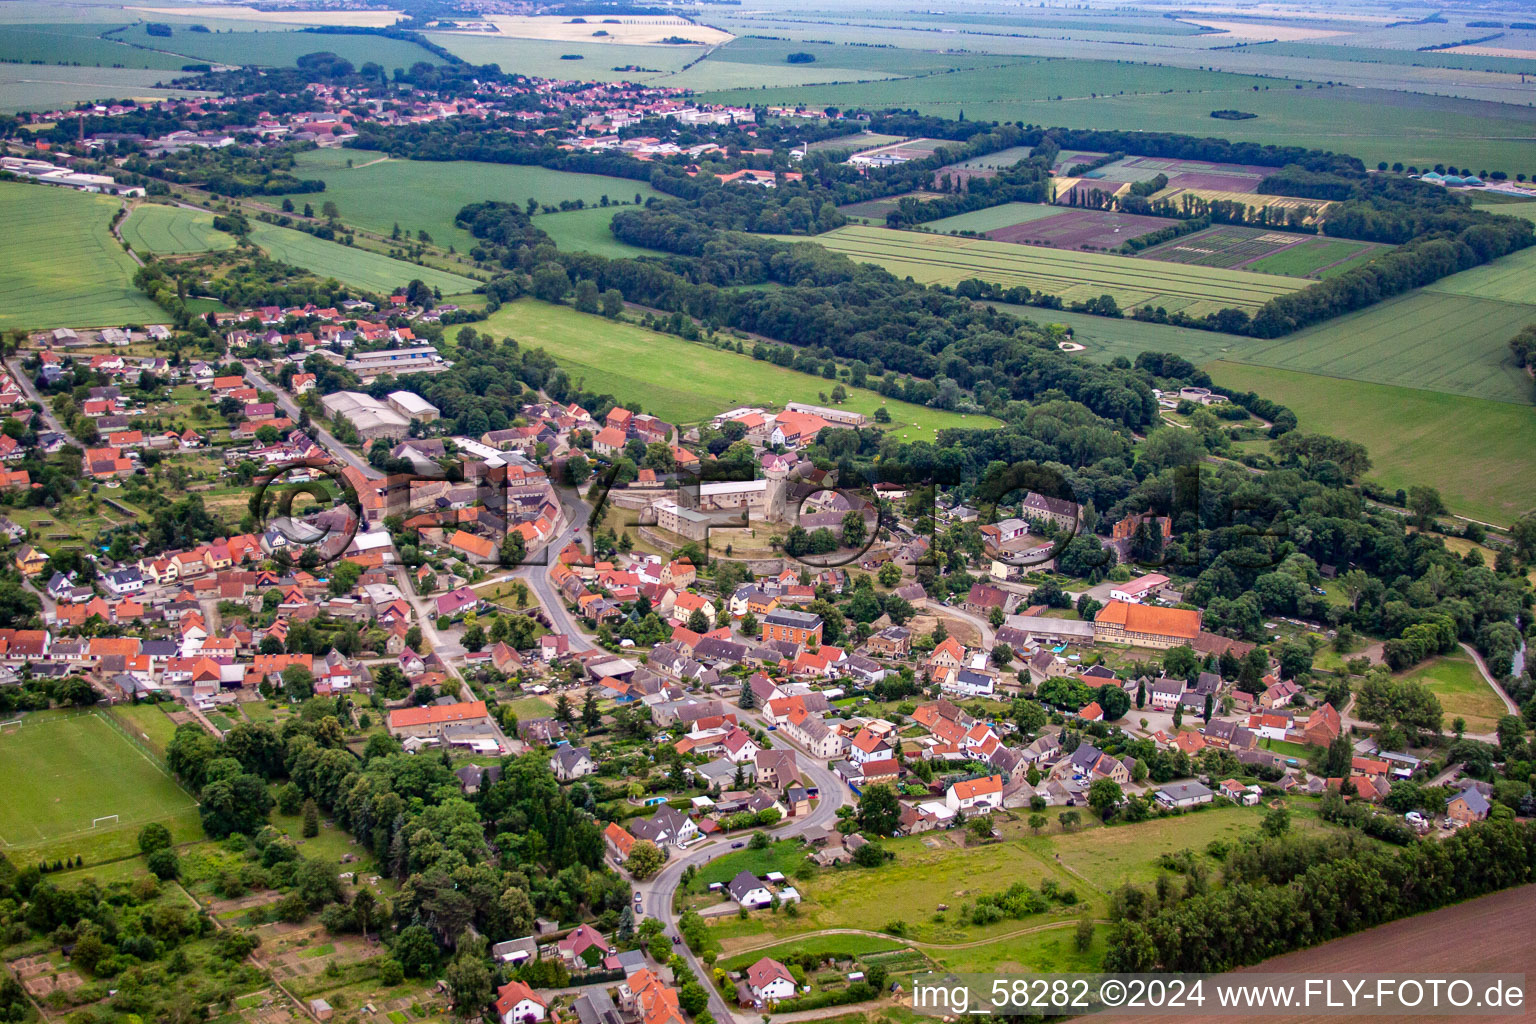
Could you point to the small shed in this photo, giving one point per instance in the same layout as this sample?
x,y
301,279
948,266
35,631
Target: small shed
x,y
321,1009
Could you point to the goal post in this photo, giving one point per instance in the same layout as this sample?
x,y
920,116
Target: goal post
x,y
10,725
104,819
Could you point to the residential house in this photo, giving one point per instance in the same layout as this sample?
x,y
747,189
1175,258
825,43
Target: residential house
x,y
981,795
571,763
770,981
516,1003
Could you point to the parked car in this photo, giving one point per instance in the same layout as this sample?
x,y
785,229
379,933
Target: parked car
x,y
737,846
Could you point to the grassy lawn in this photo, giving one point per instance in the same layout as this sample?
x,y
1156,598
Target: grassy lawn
x,y
784,856
1106,857
647,370
1462,691
60,265
530,707
1482,466
852,945
368,270
65,770
1285,748
150,722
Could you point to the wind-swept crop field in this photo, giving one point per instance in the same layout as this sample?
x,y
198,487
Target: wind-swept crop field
x,y
60,265
172,229
942,259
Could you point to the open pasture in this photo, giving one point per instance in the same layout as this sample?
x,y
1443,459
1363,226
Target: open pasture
x,y
1507,279
278,46
607,29
997,161
66,770
1100,230
172,230
587,231
686,382
854,143
1480,454
60,265
1074,276
361,269
439,190
54,86
1318,257
77,43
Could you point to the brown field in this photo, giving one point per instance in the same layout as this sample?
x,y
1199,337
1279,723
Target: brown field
x,y
1494,51
1491,934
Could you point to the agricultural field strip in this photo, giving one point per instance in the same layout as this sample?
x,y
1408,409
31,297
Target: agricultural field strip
x,y
1064,268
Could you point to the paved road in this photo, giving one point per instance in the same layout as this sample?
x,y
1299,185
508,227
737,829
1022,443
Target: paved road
x,y
537,576
27,388
319,433
656,894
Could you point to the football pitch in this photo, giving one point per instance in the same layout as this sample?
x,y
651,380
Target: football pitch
x,y
68,773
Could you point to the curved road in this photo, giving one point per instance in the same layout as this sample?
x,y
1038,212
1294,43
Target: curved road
x,y
656,894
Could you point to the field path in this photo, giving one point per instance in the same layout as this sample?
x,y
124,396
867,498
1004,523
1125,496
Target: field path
x,y
118,234
1482,667
781,940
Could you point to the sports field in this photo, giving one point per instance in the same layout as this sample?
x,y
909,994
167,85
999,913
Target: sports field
x,y
369,270
60,265
1437,341
686,382
64,770
1074,276
439,190
1480,454
151,227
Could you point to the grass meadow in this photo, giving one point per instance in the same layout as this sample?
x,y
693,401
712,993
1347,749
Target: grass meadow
x,y
1462,691
60,265
437,191
994,217
1480,454
64,769
151,227
368,270
683,381
587,231
944,259
78,43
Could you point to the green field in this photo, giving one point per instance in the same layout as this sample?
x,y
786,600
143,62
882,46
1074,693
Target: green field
x,y
1438,341
541,57
54,86
172,229
1105,338
1371,123
437,191
77,43
587,231
1462,691
59,264
1074,276
1508,279
1480,454
682,381
994,217
63,770
368,270
1309,258
280,46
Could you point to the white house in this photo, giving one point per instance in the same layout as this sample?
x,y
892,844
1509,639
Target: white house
x,y
516,1003
985,794
1137,590
770,981
1165,693
124,581
749,891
